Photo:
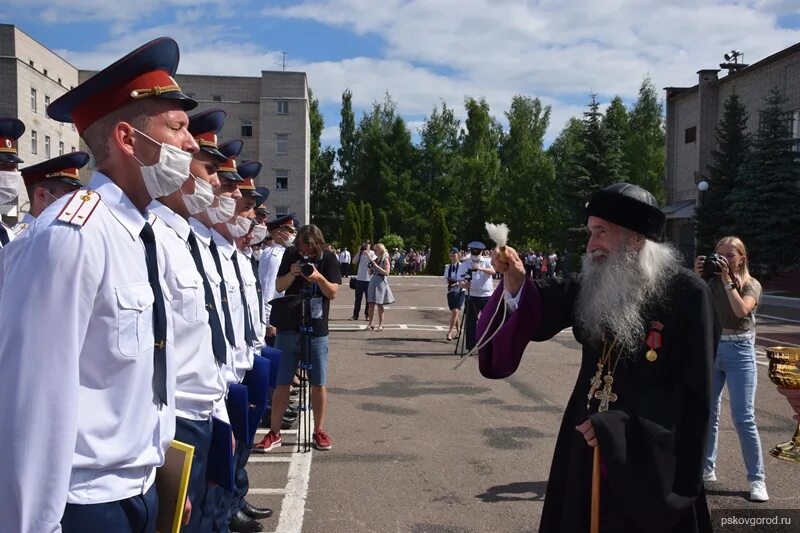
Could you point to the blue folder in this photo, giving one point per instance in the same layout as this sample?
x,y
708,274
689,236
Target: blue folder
x,y
238,411
274,357
258,392
220,455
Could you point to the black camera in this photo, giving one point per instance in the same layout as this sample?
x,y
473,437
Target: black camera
x,y
712,265
306,266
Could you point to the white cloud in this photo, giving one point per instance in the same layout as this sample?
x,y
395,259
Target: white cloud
x,y
557,50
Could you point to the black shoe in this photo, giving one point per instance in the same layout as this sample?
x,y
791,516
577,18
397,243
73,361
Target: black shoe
x,y
256,513
241,523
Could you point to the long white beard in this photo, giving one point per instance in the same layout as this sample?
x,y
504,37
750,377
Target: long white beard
x,y
615,294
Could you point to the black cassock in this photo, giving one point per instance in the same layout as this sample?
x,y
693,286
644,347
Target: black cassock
x,y
652,440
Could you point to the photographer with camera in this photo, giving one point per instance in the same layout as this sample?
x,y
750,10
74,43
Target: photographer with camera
x,y
736,295
455,293
311,273
475,275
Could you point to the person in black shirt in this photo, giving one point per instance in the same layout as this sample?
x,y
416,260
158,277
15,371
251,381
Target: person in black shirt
x,y
320,287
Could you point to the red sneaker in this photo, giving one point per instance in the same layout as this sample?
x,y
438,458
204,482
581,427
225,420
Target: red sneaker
x,y
321,440
269,442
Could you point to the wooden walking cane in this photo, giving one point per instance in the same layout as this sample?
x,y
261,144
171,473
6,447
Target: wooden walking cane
x,y
594,526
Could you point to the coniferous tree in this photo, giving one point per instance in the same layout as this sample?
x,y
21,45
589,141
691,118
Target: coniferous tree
x,y
348,141
764,193
351,228
440,239
645,146
326,198
615,130
439,166
381,224
714,216
367,223
565,153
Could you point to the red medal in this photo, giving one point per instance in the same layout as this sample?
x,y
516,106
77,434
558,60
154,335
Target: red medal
x,y
653,340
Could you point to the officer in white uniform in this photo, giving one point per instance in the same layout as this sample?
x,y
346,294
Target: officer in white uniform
x,y
11,129
479,289
283,231
94,412
49,181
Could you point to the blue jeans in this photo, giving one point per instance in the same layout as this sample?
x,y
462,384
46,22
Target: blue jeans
x,y
288,342
736,364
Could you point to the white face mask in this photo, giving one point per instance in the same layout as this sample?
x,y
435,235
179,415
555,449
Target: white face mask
x,y
202,198
259,234
290,240
171,171
9,185
223,211
257,254
476,258
240,227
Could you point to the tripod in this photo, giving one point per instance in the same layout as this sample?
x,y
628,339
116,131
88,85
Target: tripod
x,y
304,404
461,338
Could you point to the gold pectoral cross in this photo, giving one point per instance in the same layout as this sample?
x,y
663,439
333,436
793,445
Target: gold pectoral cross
x,y
605,396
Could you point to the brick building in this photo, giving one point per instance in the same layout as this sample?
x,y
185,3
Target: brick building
x,y
269,112
692,115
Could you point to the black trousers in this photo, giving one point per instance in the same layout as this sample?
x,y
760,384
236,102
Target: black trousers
x,y
361,292
472,310
136,514
345,269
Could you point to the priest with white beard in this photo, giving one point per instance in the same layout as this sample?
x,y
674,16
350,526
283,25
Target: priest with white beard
x,y
649,330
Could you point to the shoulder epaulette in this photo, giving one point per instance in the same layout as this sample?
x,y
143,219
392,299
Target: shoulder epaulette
x,y
19,229
79,207
275,252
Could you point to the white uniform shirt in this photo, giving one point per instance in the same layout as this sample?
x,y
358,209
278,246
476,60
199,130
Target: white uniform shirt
x,y
344,256
9,232
481,285
251,296
268,274
80,423
242,359
197,373
451,273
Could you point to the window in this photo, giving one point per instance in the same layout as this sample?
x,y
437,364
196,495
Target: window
x,y
796,131
217,98
281,210
30,63
72,149
283,107
690,135
34,142
73,128
282,143
60,147
44,72
47,146
33,99
46,102
281,180
247,128
59,81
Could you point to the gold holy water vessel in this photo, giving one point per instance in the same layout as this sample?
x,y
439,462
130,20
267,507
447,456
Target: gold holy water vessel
x,y
783,371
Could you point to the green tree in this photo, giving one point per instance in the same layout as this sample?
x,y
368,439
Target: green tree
x,y
615,131
480,169
645,145
367,223
764,193
440,242
392,241
565,152
326,197
351,228
525,194
381,224
348,140
439,166
714,216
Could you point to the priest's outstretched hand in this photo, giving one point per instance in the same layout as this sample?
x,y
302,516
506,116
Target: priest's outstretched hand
x,y
587,431
513,270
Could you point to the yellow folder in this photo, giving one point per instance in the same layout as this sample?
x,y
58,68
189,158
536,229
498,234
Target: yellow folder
x,y
172,482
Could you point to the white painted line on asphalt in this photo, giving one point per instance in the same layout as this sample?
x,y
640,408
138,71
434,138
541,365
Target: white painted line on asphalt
x,y
781,319
779,343
270,458
413,308
402,326
294,502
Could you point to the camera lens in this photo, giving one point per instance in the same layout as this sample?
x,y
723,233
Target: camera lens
x,y
306,269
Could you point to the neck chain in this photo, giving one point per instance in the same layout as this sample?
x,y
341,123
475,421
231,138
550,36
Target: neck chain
x,y
601,385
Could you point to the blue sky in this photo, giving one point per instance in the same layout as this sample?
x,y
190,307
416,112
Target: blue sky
x,y
426,51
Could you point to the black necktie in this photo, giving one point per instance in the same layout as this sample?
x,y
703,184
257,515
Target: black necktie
x,y
225,309
258,289
159,316
249,333
217,337
3,236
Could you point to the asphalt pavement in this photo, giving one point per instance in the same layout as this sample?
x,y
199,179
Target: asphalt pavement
x,y
419,446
